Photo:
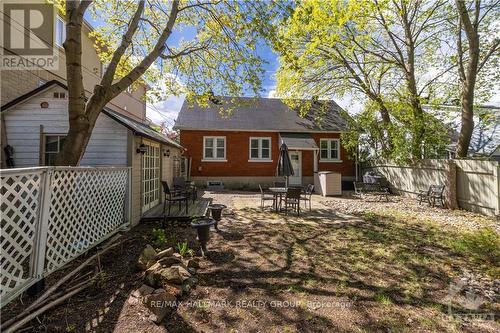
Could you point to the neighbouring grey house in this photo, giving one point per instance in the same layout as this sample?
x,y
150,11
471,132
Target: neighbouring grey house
x,y
485,140
35,124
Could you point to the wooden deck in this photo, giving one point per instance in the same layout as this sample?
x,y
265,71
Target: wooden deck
x,y
197,208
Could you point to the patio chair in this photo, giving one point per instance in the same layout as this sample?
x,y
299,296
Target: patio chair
x,y
265,197
184,188
173,197
279,184
306,196
292,199
435,192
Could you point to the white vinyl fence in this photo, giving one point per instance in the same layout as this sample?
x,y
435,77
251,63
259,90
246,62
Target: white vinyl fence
x,y
51,215
474,184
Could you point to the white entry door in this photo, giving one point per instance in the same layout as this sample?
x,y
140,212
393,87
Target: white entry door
x,y
296,158
150,176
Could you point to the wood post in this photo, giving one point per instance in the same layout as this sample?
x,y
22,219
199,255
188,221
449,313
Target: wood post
x,y
451,185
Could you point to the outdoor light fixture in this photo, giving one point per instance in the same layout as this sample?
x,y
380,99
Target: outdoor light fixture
x,y
141,149
166,152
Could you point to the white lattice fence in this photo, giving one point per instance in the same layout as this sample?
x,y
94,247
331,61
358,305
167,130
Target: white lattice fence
x,y
52,215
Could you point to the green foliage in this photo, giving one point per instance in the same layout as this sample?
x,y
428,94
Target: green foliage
x,y
184,249
331,49
216,53
159,237
483,245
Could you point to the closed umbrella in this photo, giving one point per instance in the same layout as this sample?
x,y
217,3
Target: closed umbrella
x,y
285,168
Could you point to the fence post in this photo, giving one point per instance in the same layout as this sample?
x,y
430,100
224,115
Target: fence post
x,y
129,197
451,184
40,241
497,175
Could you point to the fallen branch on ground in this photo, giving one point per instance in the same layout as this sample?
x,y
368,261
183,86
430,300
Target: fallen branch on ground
x,y
44,308
45,296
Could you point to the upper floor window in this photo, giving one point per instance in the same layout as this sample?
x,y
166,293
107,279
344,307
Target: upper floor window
x,y
214,147
330,149
60,31
260,148
53,145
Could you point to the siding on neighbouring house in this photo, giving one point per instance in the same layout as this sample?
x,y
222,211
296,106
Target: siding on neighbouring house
x,y
107,145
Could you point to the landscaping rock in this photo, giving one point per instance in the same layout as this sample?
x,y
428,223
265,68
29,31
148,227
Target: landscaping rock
x,y
174,289
194,263
177,255
165,253
170,261
143,291
191,270
175,274
160,303
147,258
189,284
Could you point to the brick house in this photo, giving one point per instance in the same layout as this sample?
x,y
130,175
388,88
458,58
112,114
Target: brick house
x,y
241,149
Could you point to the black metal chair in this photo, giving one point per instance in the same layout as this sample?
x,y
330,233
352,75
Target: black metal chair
x,y
185,188
265,197
279,184
435,192
292,199
306,196
173,197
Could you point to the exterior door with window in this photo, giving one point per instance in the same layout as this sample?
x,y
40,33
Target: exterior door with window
x,y
150,176
296,158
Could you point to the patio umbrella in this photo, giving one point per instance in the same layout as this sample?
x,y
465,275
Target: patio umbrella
x,y
285,168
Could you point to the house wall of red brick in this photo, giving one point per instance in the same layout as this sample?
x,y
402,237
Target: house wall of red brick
x,y
237,155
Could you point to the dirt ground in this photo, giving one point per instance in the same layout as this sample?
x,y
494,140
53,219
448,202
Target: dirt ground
x,y
325,271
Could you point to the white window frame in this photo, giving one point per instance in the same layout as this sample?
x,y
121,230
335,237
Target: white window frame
x,y
44,148
260,158
329,149
214,150
63,32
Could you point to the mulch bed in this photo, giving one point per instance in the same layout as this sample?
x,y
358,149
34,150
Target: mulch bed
x,y
98,307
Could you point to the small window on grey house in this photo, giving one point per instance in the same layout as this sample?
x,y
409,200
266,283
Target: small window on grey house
x,y
53,145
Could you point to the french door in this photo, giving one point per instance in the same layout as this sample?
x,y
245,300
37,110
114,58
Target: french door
x,y
150,176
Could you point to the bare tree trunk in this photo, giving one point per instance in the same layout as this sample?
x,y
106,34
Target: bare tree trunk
x,y
411,84
468,75
83,113
79,125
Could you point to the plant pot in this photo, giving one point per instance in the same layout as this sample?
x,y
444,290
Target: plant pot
x,y
202,226
216,213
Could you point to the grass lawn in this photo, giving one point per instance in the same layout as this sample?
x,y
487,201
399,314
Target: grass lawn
x,y
376,272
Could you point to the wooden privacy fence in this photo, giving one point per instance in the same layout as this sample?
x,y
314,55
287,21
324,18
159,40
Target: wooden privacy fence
x,y
51,215
473,185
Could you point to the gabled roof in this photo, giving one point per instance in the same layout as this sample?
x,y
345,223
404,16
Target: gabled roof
x,y
136,127
31,93
260,114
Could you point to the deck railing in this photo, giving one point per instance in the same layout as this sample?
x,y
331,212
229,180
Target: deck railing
x,y
51,215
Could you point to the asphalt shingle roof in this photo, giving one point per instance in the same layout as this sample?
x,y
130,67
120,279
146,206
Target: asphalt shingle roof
x,y
248,113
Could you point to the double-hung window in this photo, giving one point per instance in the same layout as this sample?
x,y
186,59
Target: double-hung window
x,y
214,148
53,145
330,149
260,148
60,31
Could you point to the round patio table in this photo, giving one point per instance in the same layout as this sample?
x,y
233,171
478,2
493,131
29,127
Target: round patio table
x,y
278,192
